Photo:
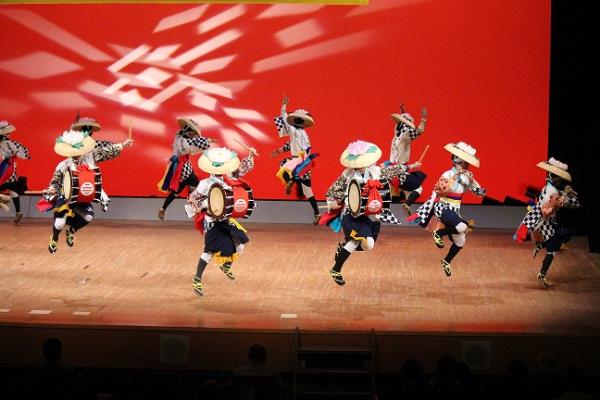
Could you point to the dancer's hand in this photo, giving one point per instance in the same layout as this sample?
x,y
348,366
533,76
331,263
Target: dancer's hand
x,y
51,191
127,143
423,113
252,151
416,165
285,100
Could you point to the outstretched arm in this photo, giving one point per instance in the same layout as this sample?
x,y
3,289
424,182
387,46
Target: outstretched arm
x,y
105,150
17,149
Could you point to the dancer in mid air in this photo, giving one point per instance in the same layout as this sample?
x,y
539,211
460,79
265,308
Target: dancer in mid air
x,y
10,182
445,200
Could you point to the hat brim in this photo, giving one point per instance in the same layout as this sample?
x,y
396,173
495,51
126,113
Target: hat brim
x,y
66,150
362,161
308,121
555,170
206,165
399,118
463,155
7,129
80,124
183,122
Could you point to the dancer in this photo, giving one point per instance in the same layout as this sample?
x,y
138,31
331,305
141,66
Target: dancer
x,y
541,219
77,183
445,200
357,193
10,182
297,169
180,174
404,133
224,237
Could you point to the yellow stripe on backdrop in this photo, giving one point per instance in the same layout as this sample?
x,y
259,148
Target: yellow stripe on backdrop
x,y
339,2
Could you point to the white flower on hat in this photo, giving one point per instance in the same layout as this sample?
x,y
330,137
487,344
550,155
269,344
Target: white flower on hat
x,y
220,155
72,137
558,164
466,148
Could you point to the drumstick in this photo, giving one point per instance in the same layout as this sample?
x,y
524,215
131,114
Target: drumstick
x,y
423,153
245,146
35,192
129,128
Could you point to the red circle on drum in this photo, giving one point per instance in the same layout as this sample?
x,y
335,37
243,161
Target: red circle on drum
x,y
87,188
240,205
374,206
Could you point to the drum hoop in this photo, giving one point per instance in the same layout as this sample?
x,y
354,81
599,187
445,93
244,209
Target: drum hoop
x,y
67,186
216,186
354,208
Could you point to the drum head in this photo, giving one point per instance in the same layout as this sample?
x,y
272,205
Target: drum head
x,y
216,201
66,187
354,197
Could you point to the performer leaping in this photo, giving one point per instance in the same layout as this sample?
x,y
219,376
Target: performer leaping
x,y
358,191
445,200
296,170
541,220
224,237
404,133
180,174
10,182
77,182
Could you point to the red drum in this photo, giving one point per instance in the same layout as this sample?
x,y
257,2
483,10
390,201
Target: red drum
x,y
82,185
369,198
234,202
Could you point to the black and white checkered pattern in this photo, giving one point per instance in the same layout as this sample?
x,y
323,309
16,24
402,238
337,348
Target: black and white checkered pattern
x,y
424,211
388,216
534,221
279,123
186,171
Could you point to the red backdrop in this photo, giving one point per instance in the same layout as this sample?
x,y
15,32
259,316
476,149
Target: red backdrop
x,y
480,67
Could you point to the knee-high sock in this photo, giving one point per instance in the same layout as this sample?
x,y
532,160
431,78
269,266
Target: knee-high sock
x,y
55,233
341,259
412,197
200,268
313,204
17,202
546,263
169,200
78,222
454,249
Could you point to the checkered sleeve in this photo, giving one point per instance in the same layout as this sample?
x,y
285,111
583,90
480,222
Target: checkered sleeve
x,y
246,165
105,150
337,190
425,210
17,149
57,176
570,199
283,128
393,171
476,188
199,142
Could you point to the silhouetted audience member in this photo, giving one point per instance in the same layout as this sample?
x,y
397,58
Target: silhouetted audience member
x,y
266,381
548,381
444,379
413,384
53,379
466,387
515,383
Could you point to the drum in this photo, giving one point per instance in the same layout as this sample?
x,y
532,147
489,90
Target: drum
x,y
369,198
82,185
237,201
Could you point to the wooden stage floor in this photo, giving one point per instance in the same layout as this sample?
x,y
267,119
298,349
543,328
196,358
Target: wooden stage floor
x,y
139,274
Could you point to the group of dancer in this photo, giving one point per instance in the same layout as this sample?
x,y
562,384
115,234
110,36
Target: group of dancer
x,y
358,201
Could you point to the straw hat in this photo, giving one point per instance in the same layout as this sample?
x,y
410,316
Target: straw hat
x,y
81,122
302,114
183,122
360,154
464,152
6,127
405,118
73,143
556,167
219,161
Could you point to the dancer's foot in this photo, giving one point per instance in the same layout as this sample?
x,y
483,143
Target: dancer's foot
x,y
197,285
337,277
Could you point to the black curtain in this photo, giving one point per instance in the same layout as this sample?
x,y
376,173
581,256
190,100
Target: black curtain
x,y
574,115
